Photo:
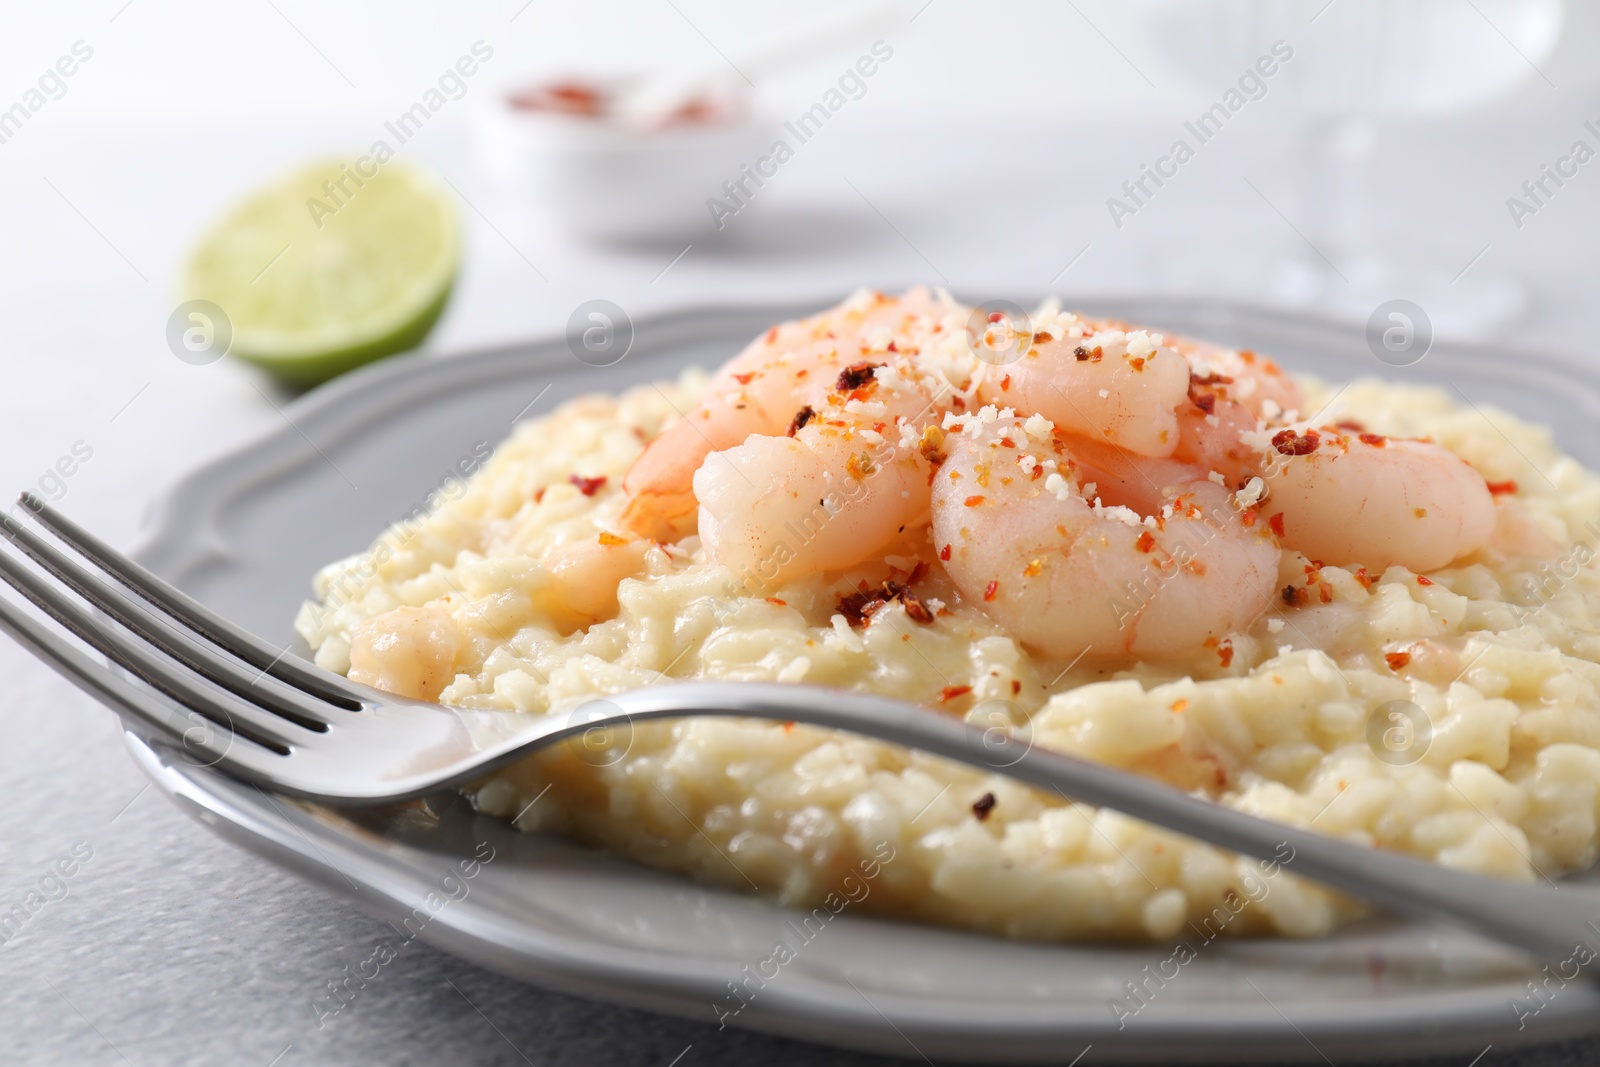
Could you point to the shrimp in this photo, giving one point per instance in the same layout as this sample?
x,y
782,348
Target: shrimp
x,y
1066,575
1089,376
1375,501
758,392
1230,394
848,480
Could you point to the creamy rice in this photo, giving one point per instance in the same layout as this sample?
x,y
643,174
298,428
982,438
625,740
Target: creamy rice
x,y
1498,653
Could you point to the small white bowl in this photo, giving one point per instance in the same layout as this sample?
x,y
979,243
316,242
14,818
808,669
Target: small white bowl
x,y
604,179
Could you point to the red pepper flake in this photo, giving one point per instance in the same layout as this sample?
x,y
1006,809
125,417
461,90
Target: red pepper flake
x,y
855,376
1423,579
919,572
772,335
983,806
1016,687
538,494
991,589
1081,352
958,403
1325,591
775,600
1206,402
1293,596
1364,578
1248,516
973,501
1042,338
1225,652
857,608
801,417
1145,542
1292,444
587,486
1276,522
1005,384
1499,488
944,553
609,538
950,692
1008,442
1396,660
744,379
1376,440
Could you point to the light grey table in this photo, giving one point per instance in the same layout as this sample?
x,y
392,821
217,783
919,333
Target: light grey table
x,y
170,947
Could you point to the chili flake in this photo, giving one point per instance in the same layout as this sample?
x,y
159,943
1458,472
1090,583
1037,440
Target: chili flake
x,y
983,806
1292,444
858,607
587,486
855,376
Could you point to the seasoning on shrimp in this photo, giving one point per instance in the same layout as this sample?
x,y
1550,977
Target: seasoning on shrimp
x,y
1290,443
855,376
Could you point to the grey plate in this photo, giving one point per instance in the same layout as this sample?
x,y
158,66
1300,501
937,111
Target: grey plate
x,y
245,533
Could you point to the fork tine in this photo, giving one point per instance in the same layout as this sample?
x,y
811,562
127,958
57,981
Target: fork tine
x,y
128,700
162,720
188,689
181,645
234,639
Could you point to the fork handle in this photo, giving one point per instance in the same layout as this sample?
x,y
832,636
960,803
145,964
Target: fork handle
x,y
1550,923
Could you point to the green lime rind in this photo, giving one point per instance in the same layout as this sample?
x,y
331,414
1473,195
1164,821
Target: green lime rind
x,y
306,371
330,268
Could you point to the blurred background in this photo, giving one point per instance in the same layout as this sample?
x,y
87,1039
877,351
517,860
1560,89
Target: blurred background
x,y
1002,149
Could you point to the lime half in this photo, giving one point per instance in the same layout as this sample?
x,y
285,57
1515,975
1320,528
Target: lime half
x,y
335,266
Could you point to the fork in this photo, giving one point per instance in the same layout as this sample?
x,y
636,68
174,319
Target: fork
x,y
218,695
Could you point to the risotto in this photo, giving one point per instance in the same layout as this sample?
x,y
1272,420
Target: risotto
x,y
1448,711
